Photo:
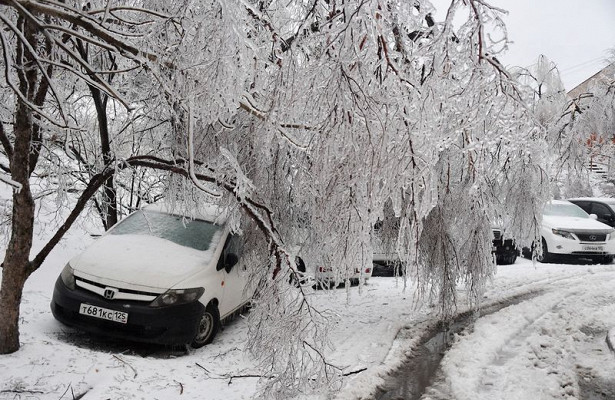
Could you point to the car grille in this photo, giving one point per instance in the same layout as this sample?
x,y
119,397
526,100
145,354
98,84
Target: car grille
x,y
119,293
591,237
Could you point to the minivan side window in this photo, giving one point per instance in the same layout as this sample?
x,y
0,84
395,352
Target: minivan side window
x,y
231,253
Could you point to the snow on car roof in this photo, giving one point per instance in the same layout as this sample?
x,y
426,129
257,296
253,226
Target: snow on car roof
x,y
607,200
558,202
205,211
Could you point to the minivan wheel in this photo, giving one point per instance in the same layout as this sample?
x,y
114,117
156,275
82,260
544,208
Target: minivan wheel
x,y
208,327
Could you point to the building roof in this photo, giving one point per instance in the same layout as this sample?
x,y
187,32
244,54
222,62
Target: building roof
x,y
606,74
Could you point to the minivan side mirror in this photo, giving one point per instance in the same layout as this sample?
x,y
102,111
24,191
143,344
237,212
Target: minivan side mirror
x,y
593,216
229,261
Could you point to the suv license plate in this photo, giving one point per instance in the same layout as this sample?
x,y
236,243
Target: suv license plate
x,y
593,248
103,313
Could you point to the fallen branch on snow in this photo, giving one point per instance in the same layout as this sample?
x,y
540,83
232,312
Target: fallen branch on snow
x,y
20,391
354,372
125,363
181,387
230,377
72,393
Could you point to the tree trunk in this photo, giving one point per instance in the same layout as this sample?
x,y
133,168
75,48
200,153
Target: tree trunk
x,y
27,132
108,206
16,265
109,195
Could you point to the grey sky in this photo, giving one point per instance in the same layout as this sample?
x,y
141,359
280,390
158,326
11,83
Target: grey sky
x,y
576,35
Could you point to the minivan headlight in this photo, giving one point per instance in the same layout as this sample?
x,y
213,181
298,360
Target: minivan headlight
x,y
563,233
68,277
177,296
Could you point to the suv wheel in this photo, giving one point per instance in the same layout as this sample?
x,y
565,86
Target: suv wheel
x,y
602,259
544,256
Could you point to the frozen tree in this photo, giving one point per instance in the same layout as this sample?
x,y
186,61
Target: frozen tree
x,y
351,112
311,121
110,133
546,92
577,126
592,121
37,52
543,90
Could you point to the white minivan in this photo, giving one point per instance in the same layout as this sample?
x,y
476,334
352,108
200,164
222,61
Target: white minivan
x,y
155,277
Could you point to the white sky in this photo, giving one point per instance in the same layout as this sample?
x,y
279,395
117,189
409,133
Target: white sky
x,y
575,34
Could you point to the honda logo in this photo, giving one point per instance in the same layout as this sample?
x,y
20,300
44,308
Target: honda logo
x,y
110,293
592,238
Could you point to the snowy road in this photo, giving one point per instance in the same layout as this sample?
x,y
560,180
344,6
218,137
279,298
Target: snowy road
x,y
550,346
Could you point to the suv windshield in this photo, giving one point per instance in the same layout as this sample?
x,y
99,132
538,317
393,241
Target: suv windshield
x,y
194,233
564,210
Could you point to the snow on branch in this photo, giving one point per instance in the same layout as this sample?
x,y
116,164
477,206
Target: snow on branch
x,y
301,354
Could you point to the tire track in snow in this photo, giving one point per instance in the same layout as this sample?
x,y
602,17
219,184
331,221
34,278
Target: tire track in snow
x,y
501,338
414,375
526,287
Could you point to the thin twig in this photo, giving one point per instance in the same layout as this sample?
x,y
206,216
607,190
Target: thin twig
x,y
230,377
22,391
181,387
131,367
358,371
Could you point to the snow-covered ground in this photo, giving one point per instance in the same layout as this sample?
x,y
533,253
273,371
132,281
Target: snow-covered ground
x,y
551,345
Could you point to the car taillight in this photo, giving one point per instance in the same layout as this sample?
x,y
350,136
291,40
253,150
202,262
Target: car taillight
x,y
368,270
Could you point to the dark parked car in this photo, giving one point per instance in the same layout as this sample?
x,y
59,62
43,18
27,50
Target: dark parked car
x,y
602,207
505,249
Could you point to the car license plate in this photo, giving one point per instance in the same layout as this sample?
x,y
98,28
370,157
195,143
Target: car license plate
x,y
593,248
103,313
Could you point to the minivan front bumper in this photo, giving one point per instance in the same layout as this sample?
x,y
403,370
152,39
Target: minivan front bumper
x,y
172,325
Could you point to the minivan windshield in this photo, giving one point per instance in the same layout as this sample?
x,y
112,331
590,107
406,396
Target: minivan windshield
x,y
564,210
193,233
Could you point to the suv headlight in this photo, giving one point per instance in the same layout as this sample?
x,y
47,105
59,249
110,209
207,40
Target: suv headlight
x,y
563,233
177,296
68,277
